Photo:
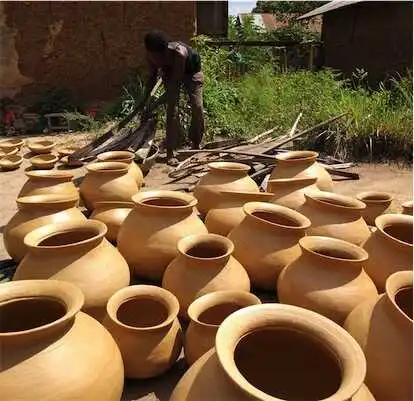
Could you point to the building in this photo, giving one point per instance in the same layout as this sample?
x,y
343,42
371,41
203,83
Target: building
x,y
376,36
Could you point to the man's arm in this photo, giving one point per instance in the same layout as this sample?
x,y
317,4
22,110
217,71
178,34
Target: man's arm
x,y
151,80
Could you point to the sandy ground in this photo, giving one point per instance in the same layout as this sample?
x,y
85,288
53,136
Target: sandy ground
x,y
380,177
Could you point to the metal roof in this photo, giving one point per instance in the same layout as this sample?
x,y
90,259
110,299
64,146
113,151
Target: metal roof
x,y
333,5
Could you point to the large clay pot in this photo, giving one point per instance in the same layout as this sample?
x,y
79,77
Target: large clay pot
x,y
206,314
143,321
107,181
34,212
390,247
290,192
52,351
277,352
267,240
228,212
113,215
336,216
127,158
407,208
383,328
376,204
148,238
302,164
205,264
328,278
43,182
223,176
80,254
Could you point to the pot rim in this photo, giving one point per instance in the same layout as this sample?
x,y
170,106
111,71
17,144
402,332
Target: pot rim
x,y
382,220
62,291
11,159
11,142
168,299
114,204
228,167
116,156
330,335
396,282
140,198
45,158
297,156
107,167
48,174
385,197
323,197
41,144
11,152
47,199
301,180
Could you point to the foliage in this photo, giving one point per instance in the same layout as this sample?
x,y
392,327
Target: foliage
x,y
292,32
54,100
287,7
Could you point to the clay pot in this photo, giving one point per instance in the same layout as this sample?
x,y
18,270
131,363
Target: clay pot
x,y
290,192
223,176
267,240
390,247
277,352
407,208
52,351
383,328
107,181
376,204
78,253
148,238
42,146
8,145
34,212
11,162
143,321
327,278
127,158
113,215
9,152
206,314
45,162
228,212
67,150
48,182
336,216
302,164
205,264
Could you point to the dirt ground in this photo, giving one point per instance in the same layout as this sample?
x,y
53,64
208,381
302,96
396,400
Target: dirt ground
x,y
379,177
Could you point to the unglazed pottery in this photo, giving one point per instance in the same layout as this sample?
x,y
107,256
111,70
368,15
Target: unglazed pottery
x,y
67,150
8,145
113,215
383,328
70,163
127,158
78,253
48,182
222,176
52,351
206,314
11,162
290,192
34,212
46,161
149,235
41,146
302,164
376,203
336,216
267,240
228,212
107,181
205,264
390,247
9,152
143,321
277,352
407,208
328,278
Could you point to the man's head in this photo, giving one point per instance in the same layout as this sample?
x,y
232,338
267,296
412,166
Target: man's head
x,y
156,44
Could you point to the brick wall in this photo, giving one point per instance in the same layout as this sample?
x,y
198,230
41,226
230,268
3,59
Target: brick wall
x,y
89,47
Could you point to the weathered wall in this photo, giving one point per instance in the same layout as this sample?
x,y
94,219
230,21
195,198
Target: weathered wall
x,y
376,36
86,46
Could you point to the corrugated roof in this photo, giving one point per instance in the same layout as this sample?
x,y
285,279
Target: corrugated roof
x,y
333,5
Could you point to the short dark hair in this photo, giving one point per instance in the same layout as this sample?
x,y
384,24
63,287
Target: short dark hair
x,y
156,41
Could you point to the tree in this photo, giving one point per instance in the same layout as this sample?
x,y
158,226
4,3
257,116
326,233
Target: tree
x,y
279,8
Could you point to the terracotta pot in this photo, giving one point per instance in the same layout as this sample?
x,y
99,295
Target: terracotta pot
x,y
11,162
383,328
336,216
143,321
41,146
45,162
34,212
223,176
9,152
267,240
376,204
228,212
67,150
290,192
328,278
113,215
58,350
301,346
407,208
206,314
302,164
107,181
163,218
127,158
390,247
205,264
78,253
10,144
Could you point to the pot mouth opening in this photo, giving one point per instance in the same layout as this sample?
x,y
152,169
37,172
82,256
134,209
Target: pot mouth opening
x,y
50,199
167,200
294,156
300,360
44,158
337,201
41,143
276,218
402,231
228,166
49,174
206,247
404,301
215,314
374,197
162,201
68,237
116,156
11,142
105,167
